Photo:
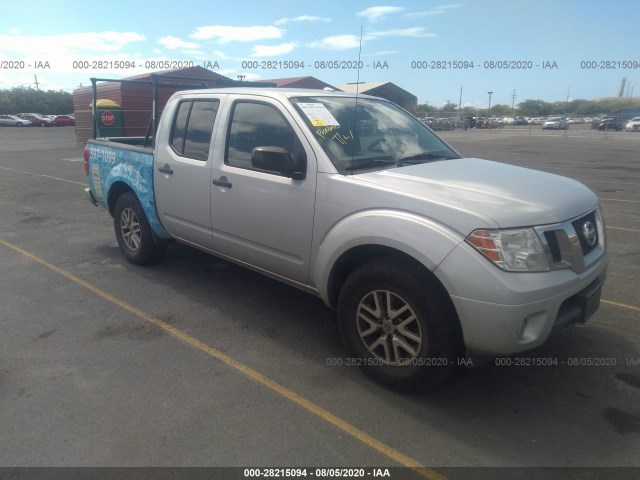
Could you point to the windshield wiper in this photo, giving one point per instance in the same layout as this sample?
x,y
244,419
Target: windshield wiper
x,y
371,162
418,157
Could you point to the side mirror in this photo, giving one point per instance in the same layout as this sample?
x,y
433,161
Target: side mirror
x,y
276,160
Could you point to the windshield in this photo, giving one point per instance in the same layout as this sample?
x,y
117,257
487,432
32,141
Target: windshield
x,y
374,136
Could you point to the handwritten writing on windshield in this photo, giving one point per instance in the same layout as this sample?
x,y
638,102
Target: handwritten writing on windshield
x,y
330,133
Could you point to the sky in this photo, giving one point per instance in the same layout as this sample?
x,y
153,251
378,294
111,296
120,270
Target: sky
x,y
553,50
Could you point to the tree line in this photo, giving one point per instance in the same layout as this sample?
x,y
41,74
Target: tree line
x,y
540,108
30,100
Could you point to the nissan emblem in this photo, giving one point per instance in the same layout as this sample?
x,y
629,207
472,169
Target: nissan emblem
x,y
589,233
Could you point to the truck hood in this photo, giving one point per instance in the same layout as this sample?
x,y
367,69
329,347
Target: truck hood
x,y
505,195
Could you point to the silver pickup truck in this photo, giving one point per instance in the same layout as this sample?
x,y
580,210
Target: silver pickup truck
x,y
428,257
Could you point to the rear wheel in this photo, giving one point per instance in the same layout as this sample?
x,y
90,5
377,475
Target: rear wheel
x,y
398,326
133,232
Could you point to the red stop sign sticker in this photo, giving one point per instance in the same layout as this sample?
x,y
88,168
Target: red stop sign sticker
x,y
107,118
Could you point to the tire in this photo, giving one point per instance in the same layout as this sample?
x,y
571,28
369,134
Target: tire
x,y
399,326
133,232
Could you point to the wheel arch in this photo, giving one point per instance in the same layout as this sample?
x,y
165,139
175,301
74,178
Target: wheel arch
x,y
116,190
119,186
353,258
371,234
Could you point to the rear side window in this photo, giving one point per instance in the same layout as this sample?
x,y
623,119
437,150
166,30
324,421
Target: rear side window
x,y
193,127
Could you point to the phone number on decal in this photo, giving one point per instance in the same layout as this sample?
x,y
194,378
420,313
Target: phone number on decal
x,y
272,64
610,64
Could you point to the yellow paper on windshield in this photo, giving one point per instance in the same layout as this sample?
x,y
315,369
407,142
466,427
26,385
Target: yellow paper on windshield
x,y
318,115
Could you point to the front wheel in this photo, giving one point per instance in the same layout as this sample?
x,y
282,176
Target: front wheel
x,y
133,232
398,325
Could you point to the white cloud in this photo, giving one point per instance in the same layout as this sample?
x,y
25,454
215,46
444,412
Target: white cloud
x,y
220,55
174,43
337,42
436,11
302,18
14,31
199,54
417,32
449,6
226,34
72,42
273,50
373,14
381,53
346,42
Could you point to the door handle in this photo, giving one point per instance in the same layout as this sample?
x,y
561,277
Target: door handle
x,y
222,182
166,169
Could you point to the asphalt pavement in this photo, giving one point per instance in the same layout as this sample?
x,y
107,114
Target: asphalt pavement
x,y
196,362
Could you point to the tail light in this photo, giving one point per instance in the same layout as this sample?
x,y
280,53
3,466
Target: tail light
x,y
86,160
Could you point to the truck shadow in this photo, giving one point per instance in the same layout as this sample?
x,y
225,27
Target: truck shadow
x,y
573,401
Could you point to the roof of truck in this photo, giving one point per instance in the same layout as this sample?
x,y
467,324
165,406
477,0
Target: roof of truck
x,y
272,92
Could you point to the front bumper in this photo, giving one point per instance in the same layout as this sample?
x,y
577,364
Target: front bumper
x,y
504,313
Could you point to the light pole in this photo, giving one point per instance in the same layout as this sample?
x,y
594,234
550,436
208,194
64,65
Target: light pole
x,y
490,93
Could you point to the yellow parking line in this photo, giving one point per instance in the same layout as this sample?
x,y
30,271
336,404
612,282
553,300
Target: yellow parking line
x,y
43,176
606,181
623,229
621,305
311,407
619,200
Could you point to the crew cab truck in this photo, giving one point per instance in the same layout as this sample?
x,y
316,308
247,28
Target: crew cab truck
x,y
426,256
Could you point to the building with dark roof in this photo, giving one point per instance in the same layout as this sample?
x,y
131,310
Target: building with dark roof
x,y
300,82
386,90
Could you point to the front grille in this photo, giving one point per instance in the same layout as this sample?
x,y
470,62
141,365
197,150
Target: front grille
x,y
574,244
552,242
579,227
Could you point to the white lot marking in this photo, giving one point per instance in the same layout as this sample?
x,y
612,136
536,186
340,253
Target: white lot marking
x,y
72,159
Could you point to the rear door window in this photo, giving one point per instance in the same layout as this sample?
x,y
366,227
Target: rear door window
x,y
193,128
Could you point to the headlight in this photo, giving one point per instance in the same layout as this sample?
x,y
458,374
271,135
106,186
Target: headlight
x,y
514,250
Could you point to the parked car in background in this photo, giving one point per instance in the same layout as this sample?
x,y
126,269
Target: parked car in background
x,y
607,123
438,124
555,123
520,121
13,121
36,119
633,125
64,121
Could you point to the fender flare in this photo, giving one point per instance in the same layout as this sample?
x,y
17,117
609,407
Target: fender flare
x,y
424,240
129,175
